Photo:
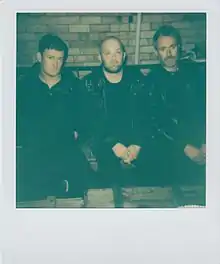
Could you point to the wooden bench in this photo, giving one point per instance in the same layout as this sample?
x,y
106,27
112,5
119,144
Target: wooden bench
x,y
137,197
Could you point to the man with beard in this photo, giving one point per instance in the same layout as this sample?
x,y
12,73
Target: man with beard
x,y
113,127
179,110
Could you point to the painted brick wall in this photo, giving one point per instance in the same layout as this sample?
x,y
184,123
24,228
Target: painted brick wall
x,y
82,32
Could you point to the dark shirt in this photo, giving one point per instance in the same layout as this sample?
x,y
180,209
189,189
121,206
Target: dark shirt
x,y
118,111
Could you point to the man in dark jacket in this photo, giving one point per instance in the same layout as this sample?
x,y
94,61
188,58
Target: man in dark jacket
x,y
49,110
179,109
115,137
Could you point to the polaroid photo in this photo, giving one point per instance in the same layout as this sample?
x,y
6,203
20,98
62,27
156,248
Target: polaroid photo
x,y
60,53
37,161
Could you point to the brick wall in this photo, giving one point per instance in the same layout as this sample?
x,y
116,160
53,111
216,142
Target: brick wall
x,y
82,32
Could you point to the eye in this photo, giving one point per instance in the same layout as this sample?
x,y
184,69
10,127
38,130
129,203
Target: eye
x,y
162,49
107,53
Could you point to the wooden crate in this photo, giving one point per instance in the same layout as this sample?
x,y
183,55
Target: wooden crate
x,y
100,198
70,203
148,197
186,196
50,202
53,202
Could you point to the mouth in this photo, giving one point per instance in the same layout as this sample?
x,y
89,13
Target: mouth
x,y
114,67
170,61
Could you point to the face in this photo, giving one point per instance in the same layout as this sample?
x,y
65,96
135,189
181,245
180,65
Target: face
x,y
167,51
112,56
51,62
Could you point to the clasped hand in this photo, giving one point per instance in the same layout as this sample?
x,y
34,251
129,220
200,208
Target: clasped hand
x,y
127,154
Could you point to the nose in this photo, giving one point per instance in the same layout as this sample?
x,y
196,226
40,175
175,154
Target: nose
x,y
169,52
55,63
114,58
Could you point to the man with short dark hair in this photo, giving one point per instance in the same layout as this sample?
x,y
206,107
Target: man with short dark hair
x,y
179,113
49,104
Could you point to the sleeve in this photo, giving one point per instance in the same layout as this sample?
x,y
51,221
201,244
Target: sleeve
x,y
80,110
198,102
20,112
190,129
161,122
95,118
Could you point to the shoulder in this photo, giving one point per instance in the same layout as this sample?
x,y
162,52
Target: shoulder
x,y
133,73
25,83
69,77
30,75
153,75
190,68
194,73
95,74
91,81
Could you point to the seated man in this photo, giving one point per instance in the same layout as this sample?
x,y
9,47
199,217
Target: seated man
x,y
179,111
49,110
114,129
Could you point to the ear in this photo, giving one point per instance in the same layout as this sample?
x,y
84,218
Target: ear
x,y
179,48
124,55
155,52
39,57
100,57
124,59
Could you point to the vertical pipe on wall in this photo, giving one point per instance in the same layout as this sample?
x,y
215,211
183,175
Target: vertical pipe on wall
x,y
138,33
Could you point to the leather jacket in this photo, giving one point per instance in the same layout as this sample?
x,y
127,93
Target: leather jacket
x,y
178,104
95,86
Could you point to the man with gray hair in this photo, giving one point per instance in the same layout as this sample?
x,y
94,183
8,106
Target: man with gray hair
x,y
179,108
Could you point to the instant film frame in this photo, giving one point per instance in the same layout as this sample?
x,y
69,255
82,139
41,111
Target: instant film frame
x,y
109,236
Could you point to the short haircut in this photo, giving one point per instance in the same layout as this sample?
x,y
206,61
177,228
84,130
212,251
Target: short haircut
x,y
108,38
167,30
50,41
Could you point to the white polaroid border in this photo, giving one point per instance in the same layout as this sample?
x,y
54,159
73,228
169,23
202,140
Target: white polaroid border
x,y
110,235
1,113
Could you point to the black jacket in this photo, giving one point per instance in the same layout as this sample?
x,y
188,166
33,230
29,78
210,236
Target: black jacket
x,y
47,118
45,122
178,104
124,126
